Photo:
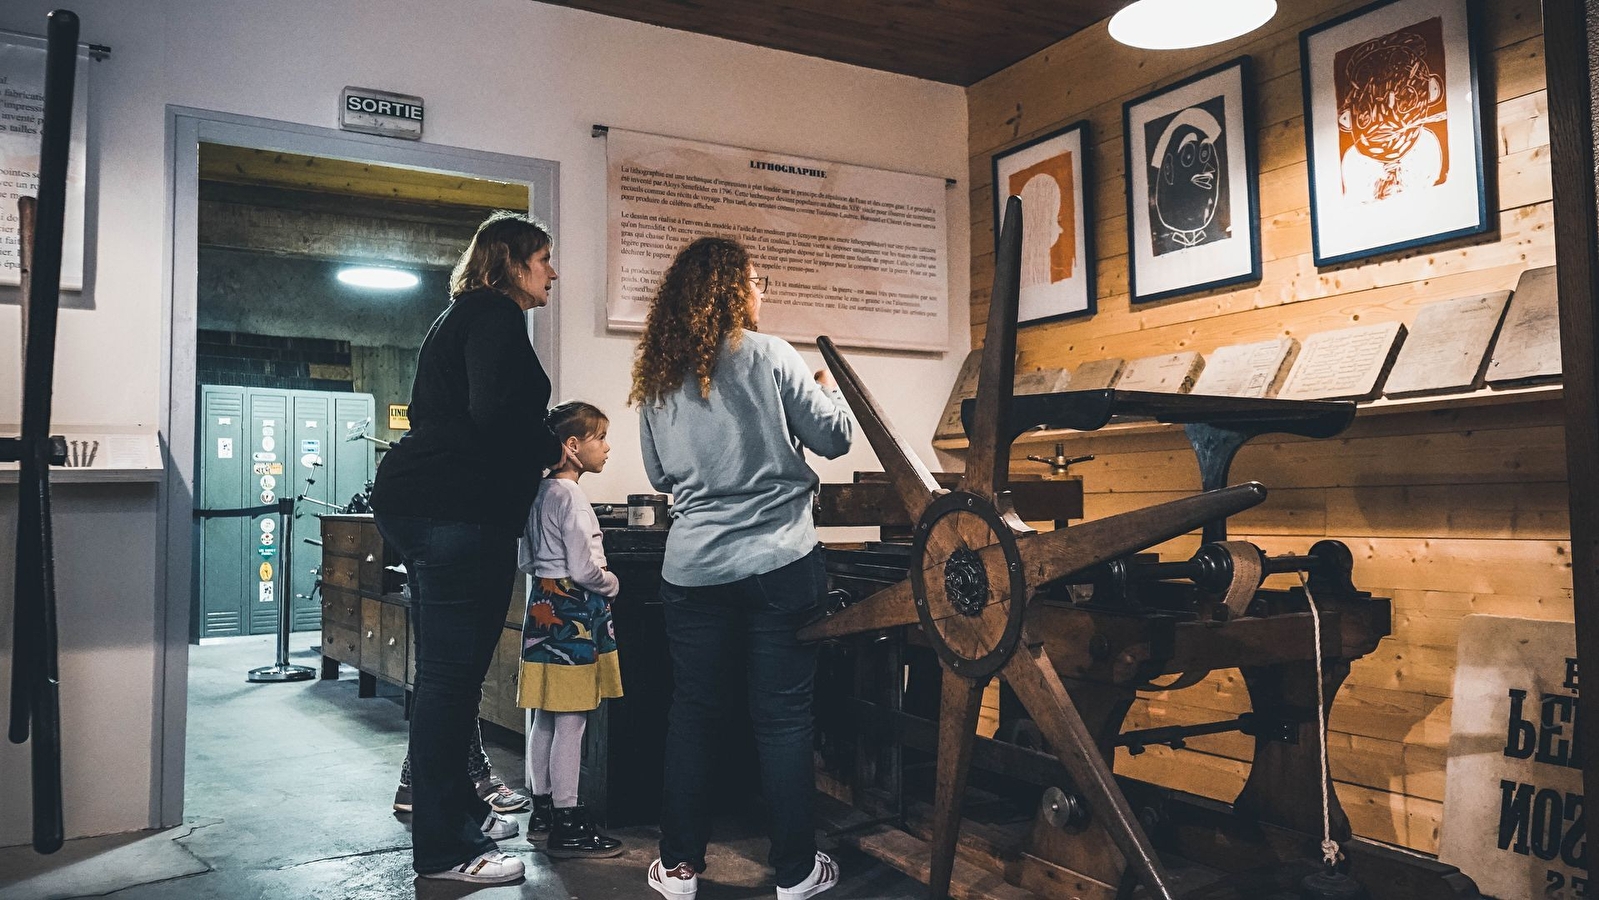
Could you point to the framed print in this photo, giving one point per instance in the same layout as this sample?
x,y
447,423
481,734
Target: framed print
x,y
1193,208
1393,128
1052,176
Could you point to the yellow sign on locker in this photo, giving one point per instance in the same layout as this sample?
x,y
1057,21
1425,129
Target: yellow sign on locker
x,y
266,571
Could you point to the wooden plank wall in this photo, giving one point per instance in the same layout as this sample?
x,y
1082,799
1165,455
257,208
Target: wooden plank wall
x,y
1450,512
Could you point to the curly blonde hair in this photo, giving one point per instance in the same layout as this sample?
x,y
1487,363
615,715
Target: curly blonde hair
x,y
704,297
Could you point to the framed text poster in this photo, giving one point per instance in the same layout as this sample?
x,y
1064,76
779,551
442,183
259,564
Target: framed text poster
x,y
21,118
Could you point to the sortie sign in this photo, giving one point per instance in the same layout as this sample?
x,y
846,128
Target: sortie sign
x,y
381,112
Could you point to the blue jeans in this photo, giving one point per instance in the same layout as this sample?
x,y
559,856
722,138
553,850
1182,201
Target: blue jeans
x,y
717,634
460,576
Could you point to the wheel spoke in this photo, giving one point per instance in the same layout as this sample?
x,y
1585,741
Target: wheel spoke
x,y
1067,551
988,455
911,479
957,730
887,608
1033,678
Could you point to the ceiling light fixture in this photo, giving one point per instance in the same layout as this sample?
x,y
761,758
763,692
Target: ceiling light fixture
x,y
1180,24
378,277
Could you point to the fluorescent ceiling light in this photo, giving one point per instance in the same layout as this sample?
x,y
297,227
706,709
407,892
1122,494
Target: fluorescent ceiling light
x,y
376,277
1178,24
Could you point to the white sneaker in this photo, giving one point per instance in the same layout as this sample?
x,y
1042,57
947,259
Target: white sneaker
x,y
681,883
822,877
492,867
500,827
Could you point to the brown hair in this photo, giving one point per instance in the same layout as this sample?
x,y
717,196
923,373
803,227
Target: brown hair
x,y
574,418
704,297
504,238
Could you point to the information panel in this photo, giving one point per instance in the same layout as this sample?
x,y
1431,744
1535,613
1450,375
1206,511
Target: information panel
x,y
21,117
1514,817
854,253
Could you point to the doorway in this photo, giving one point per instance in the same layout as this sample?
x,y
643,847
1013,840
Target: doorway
x,y
265,216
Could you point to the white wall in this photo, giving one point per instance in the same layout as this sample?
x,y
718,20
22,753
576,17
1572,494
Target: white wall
x,y
509,76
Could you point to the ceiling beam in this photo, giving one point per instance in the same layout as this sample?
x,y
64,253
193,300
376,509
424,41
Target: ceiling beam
x,y
243,165
339,237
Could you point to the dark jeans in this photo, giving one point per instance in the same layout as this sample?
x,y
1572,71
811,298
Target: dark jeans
x,y
460,577
717,633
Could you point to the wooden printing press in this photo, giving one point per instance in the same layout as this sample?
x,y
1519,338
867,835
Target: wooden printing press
x,y
1075,622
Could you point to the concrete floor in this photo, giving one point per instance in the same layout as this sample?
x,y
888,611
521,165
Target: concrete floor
x,y
288,792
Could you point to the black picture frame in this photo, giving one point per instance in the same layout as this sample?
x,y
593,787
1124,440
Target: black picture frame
x,y
1078,135
1331,242
1228,263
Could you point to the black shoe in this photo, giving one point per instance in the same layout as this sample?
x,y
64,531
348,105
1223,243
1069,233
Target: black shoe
x,y
575,836
542,819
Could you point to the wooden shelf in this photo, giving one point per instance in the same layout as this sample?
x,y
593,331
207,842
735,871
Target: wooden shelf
x,y
1379,407
10,475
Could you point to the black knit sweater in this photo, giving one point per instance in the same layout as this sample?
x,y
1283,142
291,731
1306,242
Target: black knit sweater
x,y
478,441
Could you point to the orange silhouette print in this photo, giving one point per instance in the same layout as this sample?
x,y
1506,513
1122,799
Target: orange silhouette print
x,y
1049,220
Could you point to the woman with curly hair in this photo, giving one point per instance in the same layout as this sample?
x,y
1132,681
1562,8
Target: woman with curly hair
x,y
726,414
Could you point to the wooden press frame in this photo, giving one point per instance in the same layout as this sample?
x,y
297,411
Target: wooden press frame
x,y
1570,27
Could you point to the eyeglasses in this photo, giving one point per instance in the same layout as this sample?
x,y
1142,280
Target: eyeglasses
x,y
761,282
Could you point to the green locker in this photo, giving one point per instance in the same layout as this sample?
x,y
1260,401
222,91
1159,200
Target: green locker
x,y
283,444
220,543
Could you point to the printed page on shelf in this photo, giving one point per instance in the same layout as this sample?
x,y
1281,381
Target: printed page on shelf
x,y
1172,373
1347,364
1447,348
1097,375
1528,348
1247,370
1042,381
964,388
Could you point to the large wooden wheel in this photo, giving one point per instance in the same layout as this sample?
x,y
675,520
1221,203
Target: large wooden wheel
x,y
971,575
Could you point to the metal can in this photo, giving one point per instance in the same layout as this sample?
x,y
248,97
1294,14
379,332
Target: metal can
x,y
647,511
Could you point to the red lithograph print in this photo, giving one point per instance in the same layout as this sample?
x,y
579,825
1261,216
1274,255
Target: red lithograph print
x,y
1393,125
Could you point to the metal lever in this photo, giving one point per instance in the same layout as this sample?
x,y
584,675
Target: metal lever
x,y
1060,462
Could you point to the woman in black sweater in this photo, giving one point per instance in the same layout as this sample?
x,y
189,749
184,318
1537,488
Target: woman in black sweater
x,y
452,497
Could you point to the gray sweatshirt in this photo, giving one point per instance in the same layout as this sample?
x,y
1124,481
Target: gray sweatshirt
x,y
735,462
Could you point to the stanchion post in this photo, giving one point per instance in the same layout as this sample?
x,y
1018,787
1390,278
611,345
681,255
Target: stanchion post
x,y
281,670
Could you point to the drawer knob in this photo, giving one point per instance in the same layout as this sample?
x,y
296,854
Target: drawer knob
x,y
371,558
369,635
391,642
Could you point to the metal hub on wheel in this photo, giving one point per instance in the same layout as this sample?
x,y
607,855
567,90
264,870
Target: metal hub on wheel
x,y
966,582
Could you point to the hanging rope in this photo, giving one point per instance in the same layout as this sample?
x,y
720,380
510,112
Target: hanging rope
x,y
1330,852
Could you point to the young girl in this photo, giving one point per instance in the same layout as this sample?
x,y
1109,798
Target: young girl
x,y
568,645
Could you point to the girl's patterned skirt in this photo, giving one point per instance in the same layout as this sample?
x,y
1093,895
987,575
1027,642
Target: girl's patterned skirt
x,y
569,659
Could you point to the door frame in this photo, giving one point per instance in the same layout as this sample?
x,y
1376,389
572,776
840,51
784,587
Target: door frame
x,y
186,129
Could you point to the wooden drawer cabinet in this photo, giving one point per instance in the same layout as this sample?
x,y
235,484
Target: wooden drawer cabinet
x,y
499,688
394,642
342,643
365,627
341,607
351,536
371,633
341,572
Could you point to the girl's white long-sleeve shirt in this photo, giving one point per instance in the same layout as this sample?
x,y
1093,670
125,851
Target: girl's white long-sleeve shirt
x,y
563,539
